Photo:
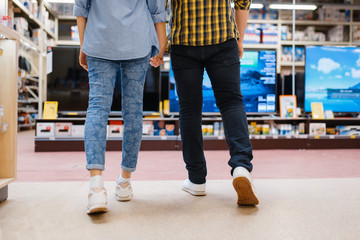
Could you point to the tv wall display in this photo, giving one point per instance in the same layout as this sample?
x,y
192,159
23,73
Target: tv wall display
x,y
332,76
69,84
258,84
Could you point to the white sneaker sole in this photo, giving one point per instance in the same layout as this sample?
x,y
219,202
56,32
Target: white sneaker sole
x,y
97,208
246,195
194,193
123,199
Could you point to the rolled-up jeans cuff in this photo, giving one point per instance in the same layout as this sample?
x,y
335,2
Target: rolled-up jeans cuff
x,y
128,169
95,166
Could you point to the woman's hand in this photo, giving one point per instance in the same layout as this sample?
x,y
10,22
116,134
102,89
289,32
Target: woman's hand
x,y
82,60
157,60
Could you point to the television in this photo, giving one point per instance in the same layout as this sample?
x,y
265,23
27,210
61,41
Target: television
x,y
332,77
258,85
68,84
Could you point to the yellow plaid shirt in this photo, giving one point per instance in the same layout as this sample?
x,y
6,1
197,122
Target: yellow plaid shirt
x,y
204,22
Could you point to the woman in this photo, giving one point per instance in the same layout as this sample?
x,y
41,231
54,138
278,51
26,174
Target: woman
x,y
118,39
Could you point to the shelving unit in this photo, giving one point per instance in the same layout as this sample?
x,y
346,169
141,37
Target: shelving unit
x,y
8,100
301,141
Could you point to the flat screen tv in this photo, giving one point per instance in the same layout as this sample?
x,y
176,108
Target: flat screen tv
x,y
332,76
68,84
258,85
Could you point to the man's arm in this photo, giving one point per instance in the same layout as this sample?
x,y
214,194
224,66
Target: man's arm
x,y
241,15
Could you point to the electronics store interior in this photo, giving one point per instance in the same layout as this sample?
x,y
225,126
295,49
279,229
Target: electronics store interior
x,y
300,83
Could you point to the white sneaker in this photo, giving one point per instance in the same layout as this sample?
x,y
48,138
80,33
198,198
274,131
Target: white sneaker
x,y
243,185
194,189
123,191
97,201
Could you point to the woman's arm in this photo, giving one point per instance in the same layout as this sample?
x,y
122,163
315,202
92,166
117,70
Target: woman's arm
x,y
81,22
161,33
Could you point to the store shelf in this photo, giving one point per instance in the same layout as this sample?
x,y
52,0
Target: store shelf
x,y
30,43
326,43
263,21
26,125
67,17
28,101
27,12
27,110
260,46
50,33
316,23
67,43
9,33
5,181
289,64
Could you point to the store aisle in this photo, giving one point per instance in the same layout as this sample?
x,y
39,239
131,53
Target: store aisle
x,y
168,165
288,209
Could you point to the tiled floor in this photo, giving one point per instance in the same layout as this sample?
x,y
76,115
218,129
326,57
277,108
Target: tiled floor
x,y
168,165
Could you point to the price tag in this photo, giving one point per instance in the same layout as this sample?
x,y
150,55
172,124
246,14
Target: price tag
x,y
275,137
221,137
263,137
332,137
288,137
352,136
163,138
317,137
1,110
257,137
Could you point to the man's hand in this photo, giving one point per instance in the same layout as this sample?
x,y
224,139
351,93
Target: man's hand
x,y
82,60
241,49
157,60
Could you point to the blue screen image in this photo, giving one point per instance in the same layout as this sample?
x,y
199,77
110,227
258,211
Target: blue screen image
x,y
332,76
258,84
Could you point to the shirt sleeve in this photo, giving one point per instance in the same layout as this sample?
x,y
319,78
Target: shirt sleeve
x,y
80,8
157,10
242,4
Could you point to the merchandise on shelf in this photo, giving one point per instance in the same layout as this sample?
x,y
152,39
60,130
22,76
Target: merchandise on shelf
x,y
276,129
63,129
75,33
6,21
286,55
261,33
45,129
316,129
309,34
148,128
77,131
356,33
349,130
21,25
332,14
336,34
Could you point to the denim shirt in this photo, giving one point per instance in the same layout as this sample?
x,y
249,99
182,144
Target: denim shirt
x,y
120,29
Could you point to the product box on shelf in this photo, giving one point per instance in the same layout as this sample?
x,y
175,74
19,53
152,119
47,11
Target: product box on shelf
x,y
170,129
148,128
349,130
77,131
7,21
208,130
45,129
63,129
116,131
317,129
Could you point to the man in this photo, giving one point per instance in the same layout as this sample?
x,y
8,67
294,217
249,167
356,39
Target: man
x,y
205,34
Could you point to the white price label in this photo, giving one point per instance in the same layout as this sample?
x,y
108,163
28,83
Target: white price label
x,y
163,138
1,110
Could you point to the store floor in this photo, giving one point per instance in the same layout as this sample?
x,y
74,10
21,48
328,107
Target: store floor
x,y
312,194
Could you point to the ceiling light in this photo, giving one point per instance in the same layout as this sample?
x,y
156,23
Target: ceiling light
x,y
291,7
256,6
60,1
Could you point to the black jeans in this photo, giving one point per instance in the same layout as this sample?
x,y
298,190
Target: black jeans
x,y
223,67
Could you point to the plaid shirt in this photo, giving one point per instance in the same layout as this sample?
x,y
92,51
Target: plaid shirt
x,y
204,22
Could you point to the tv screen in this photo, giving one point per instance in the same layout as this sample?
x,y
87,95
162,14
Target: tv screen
x,y
68,84
258,84
332,76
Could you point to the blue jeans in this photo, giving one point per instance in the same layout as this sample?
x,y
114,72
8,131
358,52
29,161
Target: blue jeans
x,y
222,64
102,77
